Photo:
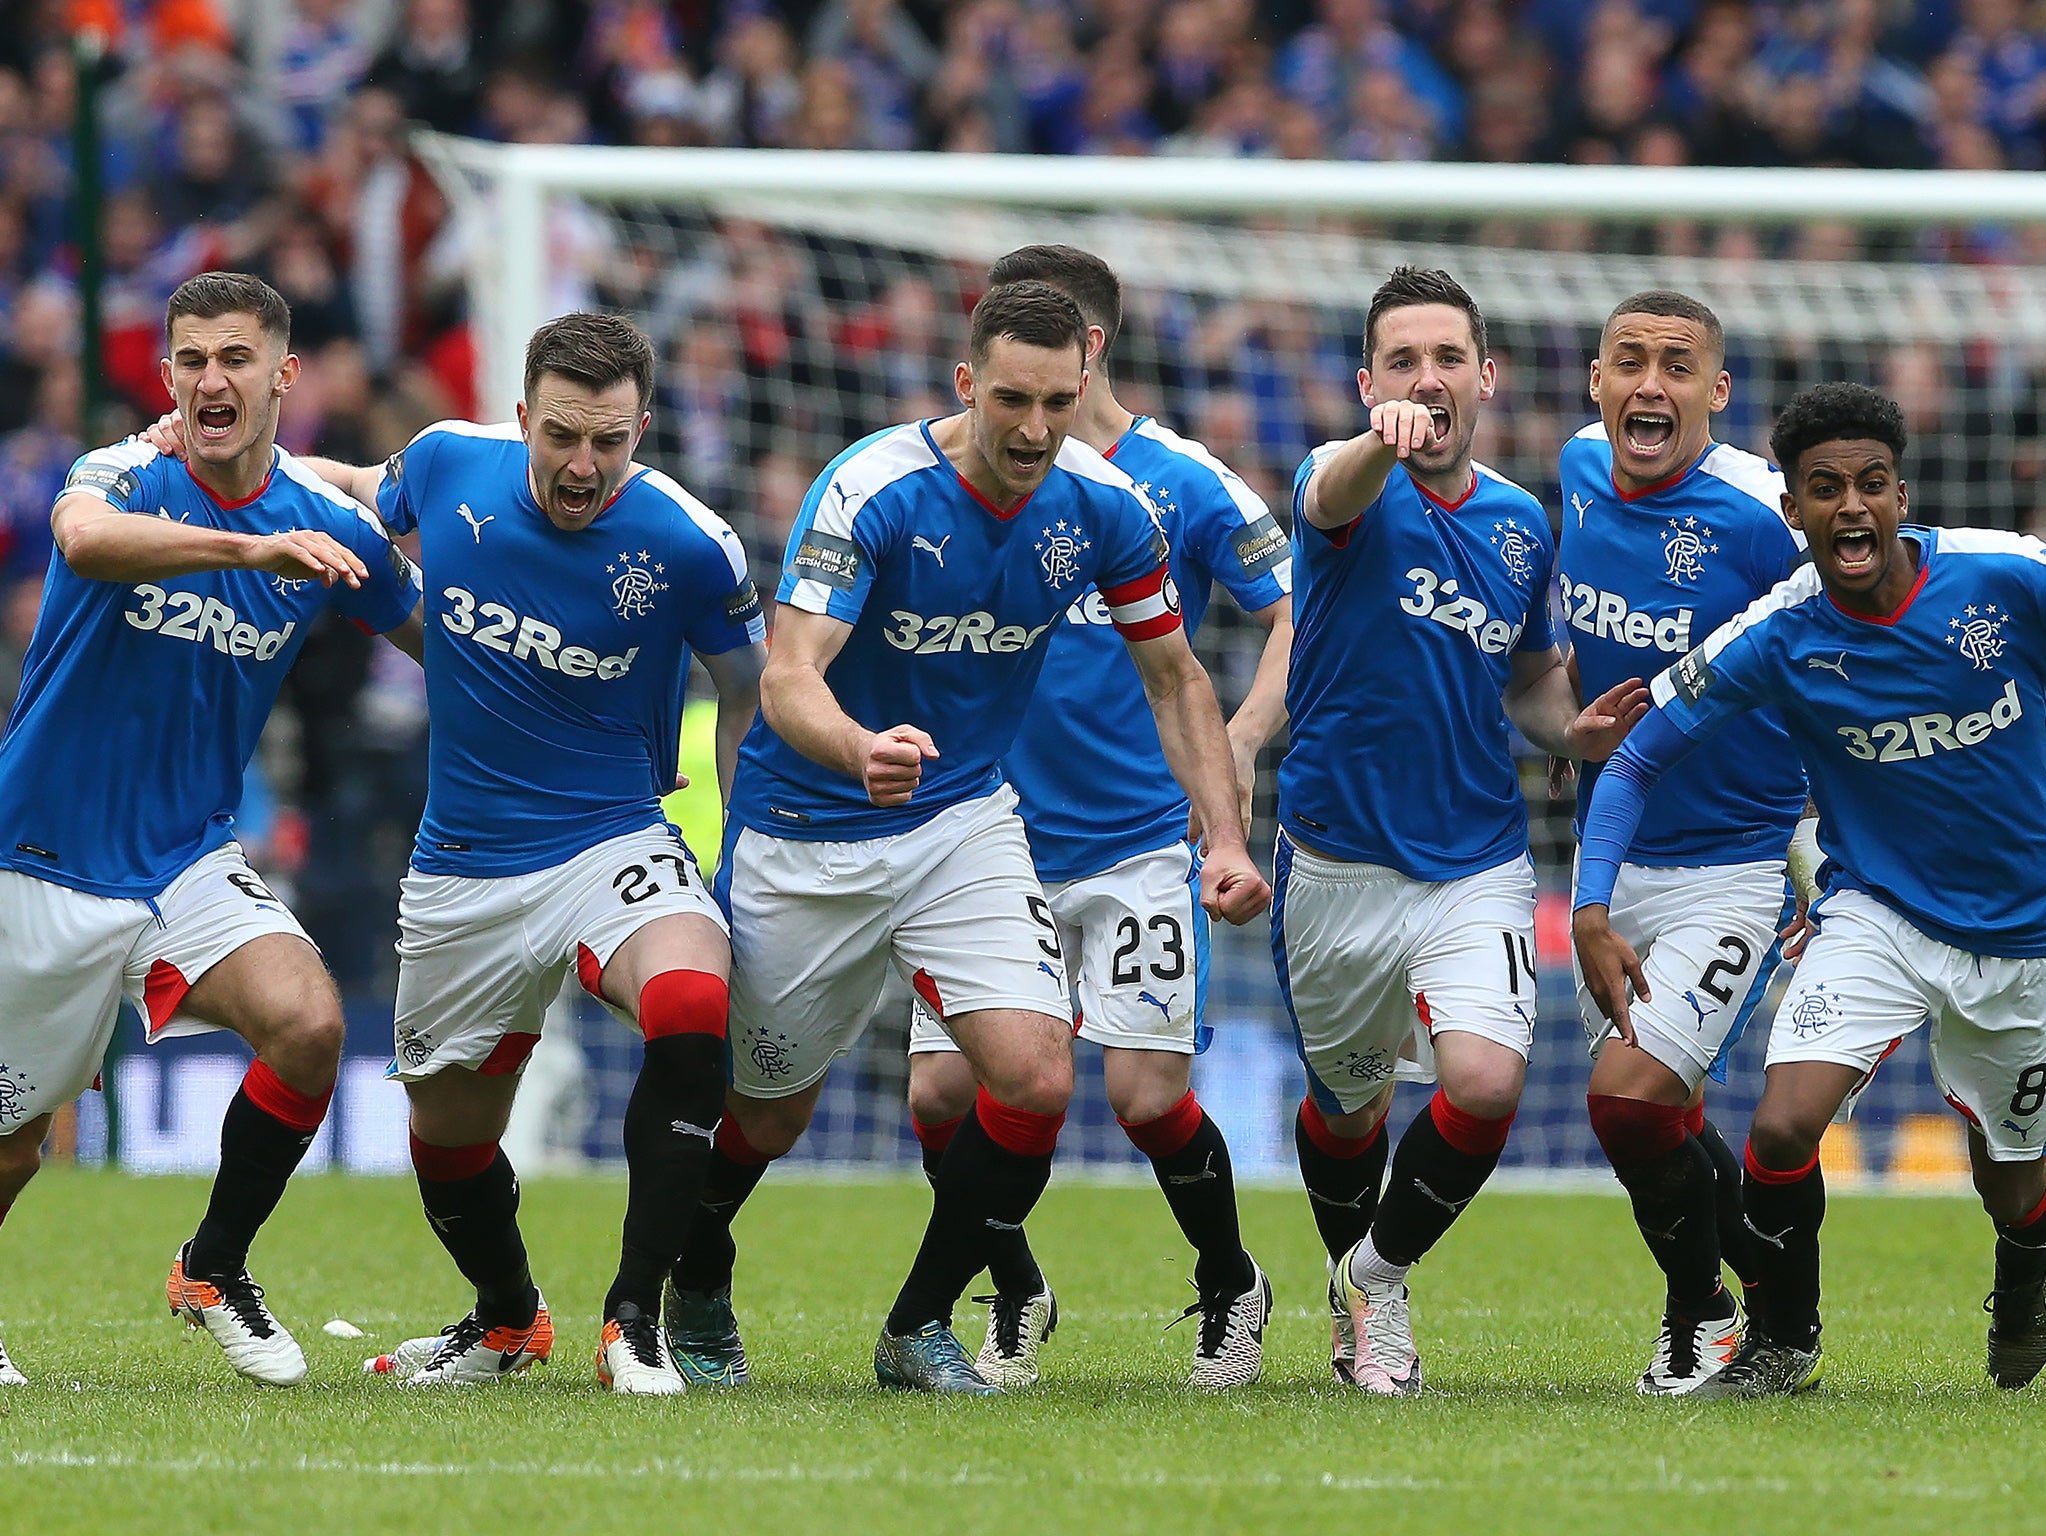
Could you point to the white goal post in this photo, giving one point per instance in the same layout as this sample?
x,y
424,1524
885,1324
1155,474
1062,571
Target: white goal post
x,y
801,299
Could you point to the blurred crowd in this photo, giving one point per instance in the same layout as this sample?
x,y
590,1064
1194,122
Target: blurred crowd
x,y
271,135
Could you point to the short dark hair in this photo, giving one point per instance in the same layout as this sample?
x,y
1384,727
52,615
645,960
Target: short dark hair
x,y
1082,276
213,294
1034,313
1677,306
1406,286
1834,413
594,350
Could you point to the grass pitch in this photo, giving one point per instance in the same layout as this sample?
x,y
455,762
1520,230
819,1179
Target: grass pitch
x,y
1534,1316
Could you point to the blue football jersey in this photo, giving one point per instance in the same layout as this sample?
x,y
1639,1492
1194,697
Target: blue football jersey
x,y
951,604
1405,625
1923,735
1089,771
141,702
1646,576
556,662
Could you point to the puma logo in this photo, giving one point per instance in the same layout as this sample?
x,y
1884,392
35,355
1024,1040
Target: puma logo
x,y
1699,1009
1341,1205
684,1128
1775,1242
936,551
1668,1237
1581,505
1821,664
1207,1172
1454,1207
475,524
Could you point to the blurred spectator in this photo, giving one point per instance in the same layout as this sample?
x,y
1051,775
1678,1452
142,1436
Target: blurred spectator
x,y
887,60
432,66
1322,64
320,58
750,99
217,173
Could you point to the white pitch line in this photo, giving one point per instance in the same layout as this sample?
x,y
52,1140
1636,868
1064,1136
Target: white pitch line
x,y
794,1474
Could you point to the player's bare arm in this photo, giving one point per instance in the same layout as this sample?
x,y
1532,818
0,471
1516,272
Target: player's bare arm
x,y
1350,479
1263,710
736,675
1541,701
410,636
801,709
1196,747
102,543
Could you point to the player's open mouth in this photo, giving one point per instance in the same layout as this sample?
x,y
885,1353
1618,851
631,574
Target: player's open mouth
x,y
1026,461
1854,550
1438,425
215,422
1648,432
575,500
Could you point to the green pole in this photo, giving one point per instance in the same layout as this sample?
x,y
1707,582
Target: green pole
x,y
87,49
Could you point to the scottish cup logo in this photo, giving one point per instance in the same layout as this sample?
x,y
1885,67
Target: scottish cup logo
x,y
1059,548
1978,634
1684,549
633,585
1516,549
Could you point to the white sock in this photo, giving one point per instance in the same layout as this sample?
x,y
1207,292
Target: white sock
x,y
1370,1267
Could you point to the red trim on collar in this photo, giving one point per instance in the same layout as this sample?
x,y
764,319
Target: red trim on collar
x,y
1660,485
1447,506
231,506
999,515
1886,620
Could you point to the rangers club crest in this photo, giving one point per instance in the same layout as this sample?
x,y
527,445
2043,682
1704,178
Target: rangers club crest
x,y
1516,549
14,1087
1685,545
633,584
1978,634
1059,548
1813,1012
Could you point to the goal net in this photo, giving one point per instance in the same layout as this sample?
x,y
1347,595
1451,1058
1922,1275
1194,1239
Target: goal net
x,y
800,301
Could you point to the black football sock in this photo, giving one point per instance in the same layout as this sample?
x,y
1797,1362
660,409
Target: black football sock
x,y
2021,1251
1191,1161
1670,1181
709,1252
1736,1242
1438,1168
1784,1211
1011,1267
984,1187
471,1196
263,1138
1342,1175
670,1122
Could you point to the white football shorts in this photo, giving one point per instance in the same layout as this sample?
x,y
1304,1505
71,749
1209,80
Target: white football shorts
x,y
481,958
954,904
1136,937
1706,935
1868,978
69,958
1373,964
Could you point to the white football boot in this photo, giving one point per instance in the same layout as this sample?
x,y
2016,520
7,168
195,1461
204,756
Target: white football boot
x,y
1231,1349
232,1312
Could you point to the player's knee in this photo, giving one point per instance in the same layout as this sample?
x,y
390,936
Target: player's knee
x,y
770,1127
1139,1101
1488,1093
1040,1087
1779,1140
934,1099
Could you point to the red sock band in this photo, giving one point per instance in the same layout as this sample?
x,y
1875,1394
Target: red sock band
x,y
281,1102
1694,1118
936,1138
733,1143
444,1165
1763,1175
1633,1131
683,1003
1327,1138
1021,1131
1169,1132
1467,1133
2038,1212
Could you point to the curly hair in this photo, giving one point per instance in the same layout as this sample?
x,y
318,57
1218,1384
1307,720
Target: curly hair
x,y
1832,413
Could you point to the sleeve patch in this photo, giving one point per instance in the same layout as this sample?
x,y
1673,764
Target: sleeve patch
x,y
394,469
117,485
1691,677
402,568
742,604
827,558
1261,546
